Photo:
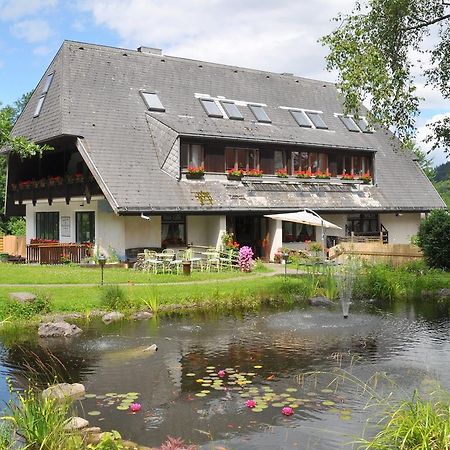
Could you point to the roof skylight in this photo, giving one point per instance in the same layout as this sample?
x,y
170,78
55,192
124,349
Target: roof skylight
x,y
349,123
301,118
316,119
211,108
232,110
259,113
43,94
364,126
153,102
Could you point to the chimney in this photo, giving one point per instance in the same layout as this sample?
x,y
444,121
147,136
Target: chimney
x,y
151,50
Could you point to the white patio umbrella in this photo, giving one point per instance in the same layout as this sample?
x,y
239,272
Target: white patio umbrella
x,y
308,217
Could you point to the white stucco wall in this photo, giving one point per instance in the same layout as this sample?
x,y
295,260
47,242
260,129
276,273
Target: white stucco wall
x,y
142,233
205,230
401,227
275,237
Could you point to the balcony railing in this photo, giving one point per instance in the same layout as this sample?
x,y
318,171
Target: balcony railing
x,y
57,253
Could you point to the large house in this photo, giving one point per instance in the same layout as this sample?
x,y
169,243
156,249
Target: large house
x,y
128,127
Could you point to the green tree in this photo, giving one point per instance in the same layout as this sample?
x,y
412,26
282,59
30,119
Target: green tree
x,y
433,239
372,50
19,145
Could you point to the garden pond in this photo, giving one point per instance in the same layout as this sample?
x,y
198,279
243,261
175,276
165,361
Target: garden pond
x,y
209,365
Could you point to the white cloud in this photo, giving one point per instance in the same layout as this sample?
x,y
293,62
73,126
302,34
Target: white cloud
x,y
14,9
262,34
32,30
438,155
42,50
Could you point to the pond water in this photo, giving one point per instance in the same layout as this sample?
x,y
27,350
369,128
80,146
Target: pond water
x,y
263,355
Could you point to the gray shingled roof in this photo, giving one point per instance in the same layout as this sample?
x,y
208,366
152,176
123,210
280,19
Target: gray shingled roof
x,y
134,154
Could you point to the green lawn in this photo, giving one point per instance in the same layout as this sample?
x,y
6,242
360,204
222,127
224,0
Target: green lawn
x,y
66,274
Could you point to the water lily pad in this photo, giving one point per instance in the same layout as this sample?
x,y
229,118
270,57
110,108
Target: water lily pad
x,y
190,374
90,395
205,384
268,389
294,405
111,394
245,395
290,399
94,413
200,394
123,407
205,391
278,404
219,388
345,417
284,395
257,410
328,403
100,397
199,380
251,374
311,394
327,391
210,367
291,390
258,367
132,394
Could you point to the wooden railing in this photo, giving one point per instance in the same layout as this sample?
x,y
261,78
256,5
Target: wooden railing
x,y
57,253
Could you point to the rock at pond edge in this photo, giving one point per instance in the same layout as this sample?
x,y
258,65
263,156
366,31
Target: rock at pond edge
x,y
63,391
58,329
112,317
320,301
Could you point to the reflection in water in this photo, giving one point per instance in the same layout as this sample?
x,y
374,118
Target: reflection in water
x,y
262,356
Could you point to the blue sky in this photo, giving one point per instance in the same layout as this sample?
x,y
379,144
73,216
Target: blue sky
x,y
277,36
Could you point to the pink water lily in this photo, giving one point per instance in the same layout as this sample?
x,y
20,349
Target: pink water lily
x,y
135,407
287,411
250,403
221,373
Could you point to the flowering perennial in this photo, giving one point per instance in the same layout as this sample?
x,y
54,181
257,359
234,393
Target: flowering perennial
x,y
281,173
196,170
254,173
246,259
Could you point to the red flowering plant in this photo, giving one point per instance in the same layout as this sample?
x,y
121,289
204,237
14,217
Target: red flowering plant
x,y
28,184
303,174
196,170
281,173
366,178
322,175
229,243
53,181
254,173
235,172
347,176
75,178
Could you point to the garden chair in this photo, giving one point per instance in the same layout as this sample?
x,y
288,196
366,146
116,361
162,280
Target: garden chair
x,y
229,260
151,262
196,262
177,262
167,258
212,260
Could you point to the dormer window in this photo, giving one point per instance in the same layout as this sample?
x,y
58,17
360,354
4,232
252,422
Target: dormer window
x,y
301,118
43,94
232,110
211,108
259,113
316,119
152,101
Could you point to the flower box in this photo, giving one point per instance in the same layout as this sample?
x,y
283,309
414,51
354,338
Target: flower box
x,y
254,173
234,177
281,173
235,174
194,175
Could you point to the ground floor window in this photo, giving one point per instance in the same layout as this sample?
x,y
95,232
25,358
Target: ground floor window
x,y
85,226
364,223
173,230
47,225
297,232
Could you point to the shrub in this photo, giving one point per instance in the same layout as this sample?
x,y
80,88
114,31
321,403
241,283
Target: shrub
x,y
12,309
113,297
246,259
433,239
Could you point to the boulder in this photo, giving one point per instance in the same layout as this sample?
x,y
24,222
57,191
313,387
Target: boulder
x,y
142,315
112,317
76,423
91,435
64,391
320,301
22,297
58,329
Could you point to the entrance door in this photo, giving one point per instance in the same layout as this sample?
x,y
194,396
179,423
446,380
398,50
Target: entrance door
x,y
251,231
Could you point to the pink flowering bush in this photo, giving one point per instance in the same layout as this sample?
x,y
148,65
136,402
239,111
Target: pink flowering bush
x,y
246,259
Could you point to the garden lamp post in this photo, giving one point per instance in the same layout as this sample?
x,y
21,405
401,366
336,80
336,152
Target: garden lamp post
x,y
285,256
102,262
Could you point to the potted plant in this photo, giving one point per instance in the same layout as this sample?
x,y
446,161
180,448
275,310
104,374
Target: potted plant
x,y
235,174
54,181
322,175
305,174
347,177
254,173
365,178
281,173
195,172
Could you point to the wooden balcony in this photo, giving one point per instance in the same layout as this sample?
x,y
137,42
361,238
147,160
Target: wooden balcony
x,y
43,190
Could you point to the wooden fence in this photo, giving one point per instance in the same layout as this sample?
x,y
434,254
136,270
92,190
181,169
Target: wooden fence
x,y
13,245
395,254
57,253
